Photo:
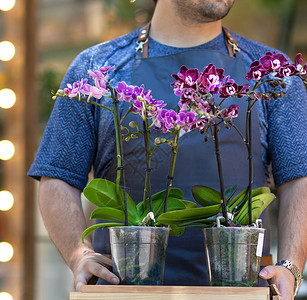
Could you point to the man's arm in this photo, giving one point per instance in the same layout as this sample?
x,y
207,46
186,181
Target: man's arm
x,y
292,238
61,209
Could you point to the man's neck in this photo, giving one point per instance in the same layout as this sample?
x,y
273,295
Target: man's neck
x,y
169,29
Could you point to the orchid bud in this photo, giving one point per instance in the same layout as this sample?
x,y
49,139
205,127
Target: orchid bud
x,y
172,143
283,85
177,127
54,98
163,140
266,97
258,96
157,141
60,93
206,138
132,124
133,136
275,96
127,138
274,83
282,94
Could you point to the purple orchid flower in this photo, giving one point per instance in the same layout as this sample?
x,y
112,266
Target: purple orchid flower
x,y
186,119
286,71
256,71
272,62
100,81
211,79
301,69
228,89
200,123
105,69
125,92
231,112
75,89
187,76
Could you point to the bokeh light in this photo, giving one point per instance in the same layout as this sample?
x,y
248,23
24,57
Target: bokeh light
x,y
7,98
6,252
6,4
7,50
6,200
7,150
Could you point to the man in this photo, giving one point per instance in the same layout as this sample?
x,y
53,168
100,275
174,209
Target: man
x,y
78,136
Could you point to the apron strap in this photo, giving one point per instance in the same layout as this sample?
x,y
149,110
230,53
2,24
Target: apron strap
x,y
143,41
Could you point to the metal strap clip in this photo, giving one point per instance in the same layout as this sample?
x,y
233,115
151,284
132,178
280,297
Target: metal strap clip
x,y
234,46
140,45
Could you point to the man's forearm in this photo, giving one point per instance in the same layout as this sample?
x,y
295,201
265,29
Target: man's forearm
x,y
61,209
292,222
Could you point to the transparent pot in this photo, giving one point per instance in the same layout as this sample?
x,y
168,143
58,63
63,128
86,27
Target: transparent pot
x,y
138,254
233,255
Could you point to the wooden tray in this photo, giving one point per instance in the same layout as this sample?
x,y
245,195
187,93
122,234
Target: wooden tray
x,y
121,292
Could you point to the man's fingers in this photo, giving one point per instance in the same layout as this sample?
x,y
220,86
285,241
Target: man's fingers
x,y
102,272
80,280
268,272
282,278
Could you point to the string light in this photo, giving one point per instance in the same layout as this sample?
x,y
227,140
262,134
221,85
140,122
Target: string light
x,y
7,150
7,98
6,4
5,296
6,200
7,51
6,252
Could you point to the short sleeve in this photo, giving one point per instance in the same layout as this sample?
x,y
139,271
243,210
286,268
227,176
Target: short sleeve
x,y
67,149
287,128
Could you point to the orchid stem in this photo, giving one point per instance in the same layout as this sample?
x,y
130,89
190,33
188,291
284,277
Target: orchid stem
x,y
119,150
171,167
220,172
147,189
250,160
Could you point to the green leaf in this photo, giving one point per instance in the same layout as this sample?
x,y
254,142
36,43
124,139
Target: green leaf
x,y
237,200
259,204
158,202
174,193
158,206
90,229
112,214
176,231
244,220
140,209
102,193
206,196
260,190
188,215
229,192
189,204
243,196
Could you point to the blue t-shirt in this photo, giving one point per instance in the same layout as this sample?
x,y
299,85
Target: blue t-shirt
x,y
79,135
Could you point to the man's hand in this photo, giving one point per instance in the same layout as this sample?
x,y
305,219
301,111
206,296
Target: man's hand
x,y
282,278
64,219
90,267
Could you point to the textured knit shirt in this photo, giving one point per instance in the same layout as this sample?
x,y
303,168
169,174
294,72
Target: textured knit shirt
x,y
79,135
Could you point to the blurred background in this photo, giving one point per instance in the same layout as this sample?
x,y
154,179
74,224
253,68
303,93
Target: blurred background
x,y
38,41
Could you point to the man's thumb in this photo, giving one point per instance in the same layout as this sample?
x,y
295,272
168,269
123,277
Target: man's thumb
x,y
267,272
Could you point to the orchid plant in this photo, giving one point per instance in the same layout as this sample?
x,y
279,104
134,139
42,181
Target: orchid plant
x,y
196,91
114,203
198,109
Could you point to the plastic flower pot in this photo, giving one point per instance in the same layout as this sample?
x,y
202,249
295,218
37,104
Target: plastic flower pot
x,y
233,255
138,254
